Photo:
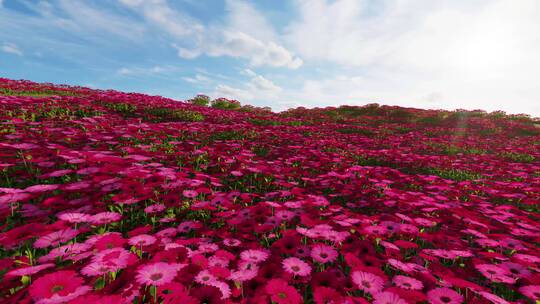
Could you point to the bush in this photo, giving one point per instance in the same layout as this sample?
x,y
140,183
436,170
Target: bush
x,y
200,100
225,104
125,109
161,114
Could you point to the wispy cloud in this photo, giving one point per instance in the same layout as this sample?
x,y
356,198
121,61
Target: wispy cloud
x,y
138,71
246,34
11,48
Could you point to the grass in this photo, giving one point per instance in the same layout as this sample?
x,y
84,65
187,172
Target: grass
x,y
37,93
159,114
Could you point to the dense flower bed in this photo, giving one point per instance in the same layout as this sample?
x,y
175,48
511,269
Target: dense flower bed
x,y
109,197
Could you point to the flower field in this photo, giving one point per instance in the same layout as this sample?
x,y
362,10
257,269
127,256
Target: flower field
x,y
110,197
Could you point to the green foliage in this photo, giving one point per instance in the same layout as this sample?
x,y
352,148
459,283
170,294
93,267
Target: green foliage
x,y
225,104
122,108
53,111
200,100
355,131
518,157
452,174
37,93
162,114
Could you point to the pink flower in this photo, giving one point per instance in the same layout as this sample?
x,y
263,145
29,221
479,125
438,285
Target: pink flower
x,y
156,208
387,297
96,269
157,274
496,273
407,282
105,218
323,253
55,238
296,266
531,291
58,287
30,270
114,258
282,293
204,277
493,298
190,193
444,296
74,217
142,240
254,255
367,282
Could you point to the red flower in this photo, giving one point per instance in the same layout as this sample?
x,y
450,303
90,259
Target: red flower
x,y
57,287
282,293
325,295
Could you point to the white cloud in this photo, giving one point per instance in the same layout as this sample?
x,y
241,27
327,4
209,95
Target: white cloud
x,y
226,91
470,54
11,48
259,83
162,15
241,45
136,71
246,34
259,90
198,79
247,72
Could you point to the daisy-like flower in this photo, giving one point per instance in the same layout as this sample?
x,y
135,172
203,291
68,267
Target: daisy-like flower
x,y
444,296
103,218
74,217
495,273
282,293
387,297
96,269
296,266
322,253
190,193
531,291
142,240
55,238
254,255
407,283
367,282
156,208
28,271
243,275
157,274
493,298
326,295
231,242
205,277
114,258
58,287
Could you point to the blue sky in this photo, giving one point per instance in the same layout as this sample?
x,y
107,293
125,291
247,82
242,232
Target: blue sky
x,y
421,53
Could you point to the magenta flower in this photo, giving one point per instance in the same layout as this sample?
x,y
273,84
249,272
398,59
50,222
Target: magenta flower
x,y
28,271
323,253
531,291
105,218
387,297
367,282
254,255
142,240
190,193
296,266
444,296
407,282
157,274
74,217
55,238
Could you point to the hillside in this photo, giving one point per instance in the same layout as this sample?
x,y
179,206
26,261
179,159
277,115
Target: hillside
x,y
111,197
